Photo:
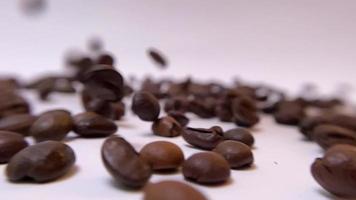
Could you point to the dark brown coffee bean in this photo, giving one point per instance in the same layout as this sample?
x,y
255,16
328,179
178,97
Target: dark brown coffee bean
x,y
106,59
124,164
10,144
179,117
42,162
244,112
20,123
335,172
172,190
240,135
180,104
52,125
166,127
289,113
236,153
11,104
327,135
202,138
307,125
157,57
162,155
90,124
206,168
204,108
145,106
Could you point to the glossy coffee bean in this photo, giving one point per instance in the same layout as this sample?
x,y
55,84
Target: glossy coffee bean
x,y
244,112
10,144
124,164
327,135
238,154
172,190
42,162
166,127
179,117
20,123
90,124
157,57
206,168
203,138
145,106
240,135
52,125
162,155
335,172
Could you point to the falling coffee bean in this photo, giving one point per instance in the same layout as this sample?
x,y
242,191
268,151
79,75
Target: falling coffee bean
x,y
52,125
145,106
157,57
90,124
20,123
203,138
328,135
124,164
206,168
172,190
10,144
42,162
335,172
162,155
238,154
166,127
240,135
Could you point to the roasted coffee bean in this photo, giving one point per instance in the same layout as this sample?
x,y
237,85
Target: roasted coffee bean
x,y
335,172
180,104
103,82
10,144
206,168
42,162
124,164
52,125
307,125
11,104
90,124
327,135
203,108
238,154
179,117
289,113
162,155
105,59
145,106
244,111
20,123
223,110
166,127
172,190
240,135
157,57
202,138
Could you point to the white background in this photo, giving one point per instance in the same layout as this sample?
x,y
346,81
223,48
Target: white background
x,y
282,42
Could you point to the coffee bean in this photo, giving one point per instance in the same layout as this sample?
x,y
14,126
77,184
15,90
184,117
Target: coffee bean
x,y
11,104
206,168
157,57
162,155
124,164
105,59
90,124
179,117
236,153
52,125
180,104
145,106
307,125
202,138
244,112
335,172
10,144
289,113
240,135
204,108
20,123
327,135
166,127
42,162
172,190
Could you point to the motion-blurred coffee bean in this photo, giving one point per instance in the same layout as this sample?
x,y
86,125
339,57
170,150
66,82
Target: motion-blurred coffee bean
x,y
289,113
240,135
202,138
327,135
90,124
145,106
20,123
157,57
10,144
166,127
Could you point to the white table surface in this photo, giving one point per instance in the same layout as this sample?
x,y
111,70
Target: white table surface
x,y
284,43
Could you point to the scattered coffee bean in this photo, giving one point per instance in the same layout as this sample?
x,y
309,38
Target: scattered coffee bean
x,y
307,125
90,124
238,154
179,117
10,144
327,135
42,162
202,138
335,172
52,125
204,108
240,135
244,112
180,104
166,127
162,155
12,103
289,113
157,57
172,190
145,106
20,123
124,164
206,168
